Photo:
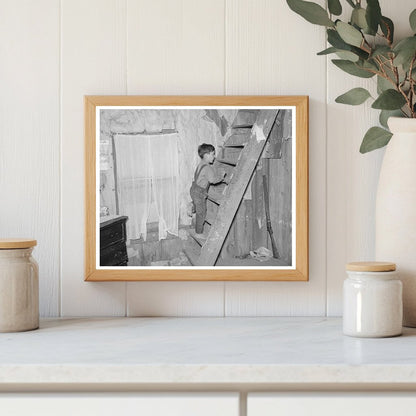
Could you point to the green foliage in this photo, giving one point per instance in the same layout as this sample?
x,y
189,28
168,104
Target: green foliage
x,y
343,54
349,34
311,12
373,15
412,20
389,100
375,138
405,51
383,84
355,96
358,19
334,7
387,27
352,68
366,47
327,51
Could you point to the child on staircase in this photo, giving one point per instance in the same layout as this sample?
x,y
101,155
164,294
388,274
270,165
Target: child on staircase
x,y
204,176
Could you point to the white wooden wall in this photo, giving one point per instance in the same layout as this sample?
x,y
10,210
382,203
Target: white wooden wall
x,y
53,52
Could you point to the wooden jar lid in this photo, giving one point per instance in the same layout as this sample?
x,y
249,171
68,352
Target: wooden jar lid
x,y
11,243
371,266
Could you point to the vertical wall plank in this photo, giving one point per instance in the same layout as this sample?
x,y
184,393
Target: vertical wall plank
x,y
93,62
175,47
352,177
29,135
270,50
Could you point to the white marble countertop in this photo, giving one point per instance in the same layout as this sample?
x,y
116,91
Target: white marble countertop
x,y
204,351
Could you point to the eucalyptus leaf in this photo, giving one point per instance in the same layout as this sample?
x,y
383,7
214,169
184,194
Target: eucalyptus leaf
x,y
389,100
383,84
352,68
375,138
373,15
350,56
381,50
373,65
358,18
349,34
356,96
311,12
336,41
386,114
334,7
405,50
327,51
412,20
347,55
387,27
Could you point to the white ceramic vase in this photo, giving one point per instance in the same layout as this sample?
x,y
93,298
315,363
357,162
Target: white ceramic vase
x,y
396,210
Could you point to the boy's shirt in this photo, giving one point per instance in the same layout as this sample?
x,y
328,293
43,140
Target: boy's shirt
x,y
208,175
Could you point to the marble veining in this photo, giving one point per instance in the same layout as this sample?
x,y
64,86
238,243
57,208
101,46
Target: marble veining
x,y
203,350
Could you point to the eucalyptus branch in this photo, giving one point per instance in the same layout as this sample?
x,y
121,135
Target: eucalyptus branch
x,y
366,43
367,40
412,85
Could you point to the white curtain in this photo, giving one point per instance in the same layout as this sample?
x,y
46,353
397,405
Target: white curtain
x,y
147,176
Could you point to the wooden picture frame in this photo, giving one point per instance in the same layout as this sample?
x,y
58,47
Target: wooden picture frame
x,y
101,115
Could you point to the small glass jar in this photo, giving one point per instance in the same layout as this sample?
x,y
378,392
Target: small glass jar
x,y
19,286
372,300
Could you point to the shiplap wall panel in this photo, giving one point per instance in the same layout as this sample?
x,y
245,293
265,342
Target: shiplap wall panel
x,y
272,51
29,135
175,47
352,177
93,63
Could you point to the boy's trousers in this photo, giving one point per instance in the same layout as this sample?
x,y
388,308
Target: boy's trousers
x,y
199,198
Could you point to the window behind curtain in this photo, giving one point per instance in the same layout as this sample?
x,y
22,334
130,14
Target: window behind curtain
x,y
147,172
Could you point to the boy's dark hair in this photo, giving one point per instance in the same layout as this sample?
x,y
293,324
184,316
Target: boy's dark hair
x,y
205,148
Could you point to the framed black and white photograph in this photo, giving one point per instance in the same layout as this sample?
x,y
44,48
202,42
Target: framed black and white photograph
x,y
196,188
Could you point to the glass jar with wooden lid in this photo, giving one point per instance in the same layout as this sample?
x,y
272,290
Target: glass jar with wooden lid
x,y
372,300
19,286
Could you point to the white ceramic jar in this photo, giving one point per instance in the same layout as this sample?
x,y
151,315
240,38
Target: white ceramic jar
x,y
19,286
372,300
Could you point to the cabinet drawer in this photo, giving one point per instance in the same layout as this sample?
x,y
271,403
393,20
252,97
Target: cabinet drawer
x,y
112,234
122,404
330,404
114,255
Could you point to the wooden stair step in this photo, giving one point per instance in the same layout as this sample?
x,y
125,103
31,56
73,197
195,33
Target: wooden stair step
x,y
238,139
199,239
229,169
245,118
215,197
227,162
241,130
231,153
192,251
210,218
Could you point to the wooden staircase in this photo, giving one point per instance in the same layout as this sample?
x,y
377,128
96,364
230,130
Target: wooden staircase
x,y
242,151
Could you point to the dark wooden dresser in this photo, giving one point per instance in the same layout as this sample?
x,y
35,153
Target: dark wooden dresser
x,y
113,250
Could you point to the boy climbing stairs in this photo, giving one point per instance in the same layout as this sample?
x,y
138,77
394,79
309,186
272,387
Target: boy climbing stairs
x,y
242,151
